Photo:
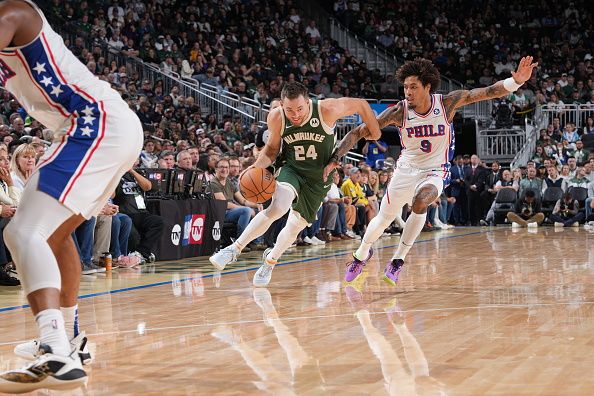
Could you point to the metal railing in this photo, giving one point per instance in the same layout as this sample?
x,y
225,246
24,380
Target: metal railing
x,y
566,113
499,144
532,134
353,158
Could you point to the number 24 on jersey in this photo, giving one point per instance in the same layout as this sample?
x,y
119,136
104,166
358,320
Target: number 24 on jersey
x,y
301,155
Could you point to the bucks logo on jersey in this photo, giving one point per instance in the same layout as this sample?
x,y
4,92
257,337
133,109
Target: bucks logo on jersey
x,y
308,148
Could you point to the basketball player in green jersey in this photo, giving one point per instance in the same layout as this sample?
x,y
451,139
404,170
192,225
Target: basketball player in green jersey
x,y
305,130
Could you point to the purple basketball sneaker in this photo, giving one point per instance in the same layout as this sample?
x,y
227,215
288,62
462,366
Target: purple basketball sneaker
x,y
392,271
355,267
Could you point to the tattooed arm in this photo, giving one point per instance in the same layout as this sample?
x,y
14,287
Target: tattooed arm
x,y
460,98
391,116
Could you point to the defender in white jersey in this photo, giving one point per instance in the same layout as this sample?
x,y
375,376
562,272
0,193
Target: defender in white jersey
x,y
97,139
422,171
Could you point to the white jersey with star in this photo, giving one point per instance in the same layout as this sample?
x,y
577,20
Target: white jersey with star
x,y
50,83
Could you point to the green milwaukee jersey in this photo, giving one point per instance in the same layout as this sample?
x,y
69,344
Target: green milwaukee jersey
x,y
308,148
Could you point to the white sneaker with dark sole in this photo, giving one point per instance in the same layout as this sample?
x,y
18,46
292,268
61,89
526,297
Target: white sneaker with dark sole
x,y
48,371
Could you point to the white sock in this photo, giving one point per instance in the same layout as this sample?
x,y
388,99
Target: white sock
x,y
52,332
284,240
70,320
412,229
256,227
375,229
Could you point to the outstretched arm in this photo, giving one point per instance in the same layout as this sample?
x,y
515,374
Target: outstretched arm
x,y
391,116
459,98
335,109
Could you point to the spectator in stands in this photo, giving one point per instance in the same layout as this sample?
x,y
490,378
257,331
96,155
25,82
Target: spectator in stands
x,y
491,178
234,171
18,127
349,217
148,158
521,103
311,234
184,160
539,156
506,181
566,212
121,227
22,164
589,126
565,173
474,180
588,167
239,210
374,151
580,153
6,213
9,193
83,238
166,160
194,155
457,191
9,200
389,88
352,188
369,191
531,182
102,232
382,184
579,180
334,219
148,227
526,212
570,133
554,180
572,162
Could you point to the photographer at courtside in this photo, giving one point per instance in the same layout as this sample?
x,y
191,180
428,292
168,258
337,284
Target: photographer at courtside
x,y
526,212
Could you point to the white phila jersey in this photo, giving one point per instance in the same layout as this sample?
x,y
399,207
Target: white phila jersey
x,y
427,139
49,82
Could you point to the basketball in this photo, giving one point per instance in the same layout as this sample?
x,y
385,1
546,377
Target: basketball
x,y
257,185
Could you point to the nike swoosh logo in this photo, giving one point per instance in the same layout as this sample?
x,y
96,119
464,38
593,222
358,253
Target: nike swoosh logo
x,y
327,186
289,126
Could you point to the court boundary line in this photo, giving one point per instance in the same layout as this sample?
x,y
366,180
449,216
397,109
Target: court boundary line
x,y
301,261
340,315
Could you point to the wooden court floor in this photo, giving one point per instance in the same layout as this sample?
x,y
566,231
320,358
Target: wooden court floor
x,y
478,311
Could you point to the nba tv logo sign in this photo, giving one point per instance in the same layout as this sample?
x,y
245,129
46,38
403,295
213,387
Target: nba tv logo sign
x,y
5,72
193,229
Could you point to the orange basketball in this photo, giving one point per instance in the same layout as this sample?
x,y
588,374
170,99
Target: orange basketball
x,y
257,185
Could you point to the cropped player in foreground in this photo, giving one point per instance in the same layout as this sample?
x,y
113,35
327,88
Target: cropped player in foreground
x,y
97,140
423,169
305,130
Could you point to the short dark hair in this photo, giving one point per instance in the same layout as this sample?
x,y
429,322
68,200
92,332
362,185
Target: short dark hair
x,y
568,195
530,194
221,160
423,69
292,90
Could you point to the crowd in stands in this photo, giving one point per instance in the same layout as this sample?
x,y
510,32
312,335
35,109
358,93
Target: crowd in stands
x,y
479,42
245,47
